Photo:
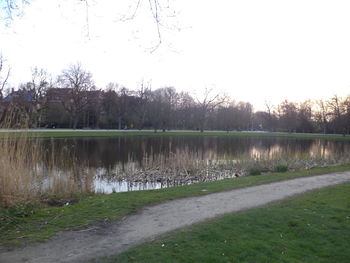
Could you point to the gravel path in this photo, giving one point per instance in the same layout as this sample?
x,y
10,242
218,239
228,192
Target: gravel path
x,y
105,240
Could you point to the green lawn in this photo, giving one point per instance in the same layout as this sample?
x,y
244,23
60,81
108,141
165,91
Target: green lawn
x,y
28,223
313,227
97,133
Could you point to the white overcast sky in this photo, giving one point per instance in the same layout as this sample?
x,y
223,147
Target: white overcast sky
x,y
253,50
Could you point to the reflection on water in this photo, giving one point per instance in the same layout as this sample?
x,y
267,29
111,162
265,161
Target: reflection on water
x,y
152,160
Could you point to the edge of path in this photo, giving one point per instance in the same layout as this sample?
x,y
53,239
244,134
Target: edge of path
x,y
150,221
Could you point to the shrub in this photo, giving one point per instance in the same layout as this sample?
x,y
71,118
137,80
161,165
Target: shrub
x,y
254,171
281,168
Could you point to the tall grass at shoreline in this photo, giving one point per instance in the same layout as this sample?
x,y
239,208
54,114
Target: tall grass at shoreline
x,y
184,167
18,157
32,172
17,171
26,178
28,172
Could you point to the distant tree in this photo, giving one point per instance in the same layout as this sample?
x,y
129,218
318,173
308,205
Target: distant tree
x,y
305,123
109,107
346,115
185,111
37,88
78,82
125,102
262,121
207,104
225,118
16,107
245,112
288,116
322,115
92,111
336,112
270,121
142,109
118,101
164,102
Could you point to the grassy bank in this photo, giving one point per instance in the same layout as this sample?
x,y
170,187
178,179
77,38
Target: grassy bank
x,y
314,227
114,133
36,222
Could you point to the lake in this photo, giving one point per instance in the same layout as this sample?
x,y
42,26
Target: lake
x,y
151,162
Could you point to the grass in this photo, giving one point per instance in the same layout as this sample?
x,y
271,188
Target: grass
x,y
103,133
17,179
35,222
313,227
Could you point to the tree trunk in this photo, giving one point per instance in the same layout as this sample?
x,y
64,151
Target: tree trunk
x,y
119,123
75,123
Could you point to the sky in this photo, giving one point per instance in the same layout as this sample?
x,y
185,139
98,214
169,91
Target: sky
x,y
252,50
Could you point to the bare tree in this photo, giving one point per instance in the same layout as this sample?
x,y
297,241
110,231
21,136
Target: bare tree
x,y
78,83
336,111
269,108
184,111
335,106
209,102
36,89
123,104
305,114
4,76
11,8
322,115
160,11
143,98
164,102
288,116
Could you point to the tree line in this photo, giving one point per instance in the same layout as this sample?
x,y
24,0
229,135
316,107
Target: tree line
x,y
71,100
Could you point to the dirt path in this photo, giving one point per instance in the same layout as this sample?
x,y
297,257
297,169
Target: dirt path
x,y
80,246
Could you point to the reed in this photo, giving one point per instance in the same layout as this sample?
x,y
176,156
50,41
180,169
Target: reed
x,y
31,171
15,159
186,167
28,171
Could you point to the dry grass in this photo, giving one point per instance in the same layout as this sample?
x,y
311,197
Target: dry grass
x,y
28,171
186,167
17,158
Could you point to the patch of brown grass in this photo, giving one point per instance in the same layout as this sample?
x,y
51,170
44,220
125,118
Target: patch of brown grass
x,y
27,171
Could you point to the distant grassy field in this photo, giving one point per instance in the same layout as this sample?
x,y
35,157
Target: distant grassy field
x,y
314,227
116,133
36,222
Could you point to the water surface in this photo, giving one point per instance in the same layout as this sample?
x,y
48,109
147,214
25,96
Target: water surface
x,y
111,160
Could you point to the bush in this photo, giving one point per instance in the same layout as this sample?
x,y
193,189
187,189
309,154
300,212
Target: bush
x,y
281,168
254,171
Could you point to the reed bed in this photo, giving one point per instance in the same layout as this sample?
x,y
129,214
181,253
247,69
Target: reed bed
x,y
185,167
29,173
